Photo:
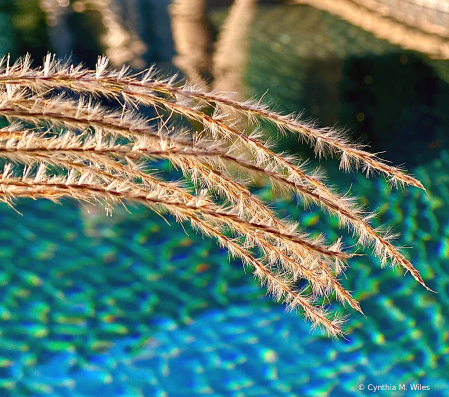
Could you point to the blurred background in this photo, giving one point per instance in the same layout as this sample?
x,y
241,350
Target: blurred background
x,y
128,305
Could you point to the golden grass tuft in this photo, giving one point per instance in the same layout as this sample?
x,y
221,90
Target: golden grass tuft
x,y
60,141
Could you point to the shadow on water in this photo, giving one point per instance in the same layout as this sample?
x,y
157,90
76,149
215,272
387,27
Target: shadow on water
x,y
398,104
337,74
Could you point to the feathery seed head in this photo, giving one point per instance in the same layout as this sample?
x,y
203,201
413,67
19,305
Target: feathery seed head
x,y
104,155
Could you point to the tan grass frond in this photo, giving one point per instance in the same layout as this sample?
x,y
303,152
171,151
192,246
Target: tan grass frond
x,y
111,83
61,141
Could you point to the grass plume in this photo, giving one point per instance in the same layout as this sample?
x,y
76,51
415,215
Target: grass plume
x,y
61,141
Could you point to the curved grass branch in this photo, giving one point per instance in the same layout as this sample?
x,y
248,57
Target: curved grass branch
x,y
142,88
30,148
85,115
57,126
83,188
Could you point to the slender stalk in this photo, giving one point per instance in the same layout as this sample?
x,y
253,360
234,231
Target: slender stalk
x,y
114,83
65,112
105,154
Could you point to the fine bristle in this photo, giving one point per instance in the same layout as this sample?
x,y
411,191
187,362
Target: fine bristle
x,y
78,148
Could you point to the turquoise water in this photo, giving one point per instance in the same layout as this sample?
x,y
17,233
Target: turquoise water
x,y
129,305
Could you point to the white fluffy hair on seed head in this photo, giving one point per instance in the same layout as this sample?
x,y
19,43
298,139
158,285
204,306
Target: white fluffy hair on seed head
x,y
86,134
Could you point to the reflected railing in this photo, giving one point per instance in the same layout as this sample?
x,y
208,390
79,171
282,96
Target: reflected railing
x,y
420,25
